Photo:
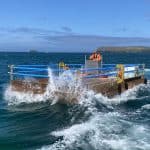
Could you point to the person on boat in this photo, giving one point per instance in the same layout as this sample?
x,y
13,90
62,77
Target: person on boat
x,y
96,56
99,57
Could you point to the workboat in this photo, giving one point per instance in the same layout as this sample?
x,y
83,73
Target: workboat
x,y
108,79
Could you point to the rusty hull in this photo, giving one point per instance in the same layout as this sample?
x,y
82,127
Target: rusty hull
x,y
108,87
37,86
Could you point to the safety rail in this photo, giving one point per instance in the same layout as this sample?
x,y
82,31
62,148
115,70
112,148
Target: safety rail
x,y
41,71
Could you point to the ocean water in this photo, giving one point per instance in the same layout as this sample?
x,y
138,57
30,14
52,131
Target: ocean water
x,y
96,123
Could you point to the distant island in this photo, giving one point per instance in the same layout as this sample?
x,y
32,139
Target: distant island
x,y
124,48
33,51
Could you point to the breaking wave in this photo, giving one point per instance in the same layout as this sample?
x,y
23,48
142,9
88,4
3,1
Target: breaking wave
x,y
103,131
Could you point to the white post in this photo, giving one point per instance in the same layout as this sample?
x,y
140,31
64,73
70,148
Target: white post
x,y
84,61
11,72
102,62
143,69
58,70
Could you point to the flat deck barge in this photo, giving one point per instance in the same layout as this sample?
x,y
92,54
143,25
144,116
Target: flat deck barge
x,y
107,79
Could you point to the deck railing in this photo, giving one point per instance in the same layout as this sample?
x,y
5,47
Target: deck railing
x,y
41,71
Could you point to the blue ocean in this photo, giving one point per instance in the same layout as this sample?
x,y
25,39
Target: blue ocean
x,y
97,123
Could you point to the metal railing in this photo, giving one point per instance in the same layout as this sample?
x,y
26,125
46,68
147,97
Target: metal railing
x,y
41,71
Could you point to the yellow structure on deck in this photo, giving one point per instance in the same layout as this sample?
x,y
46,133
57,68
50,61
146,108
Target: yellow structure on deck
x,y
120,74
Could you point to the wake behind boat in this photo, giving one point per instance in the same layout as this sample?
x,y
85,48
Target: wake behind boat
x,y
107,79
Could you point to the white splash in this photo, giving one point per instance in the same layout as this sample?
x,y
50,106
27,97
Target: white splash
x,y
66,87
14,97
130,94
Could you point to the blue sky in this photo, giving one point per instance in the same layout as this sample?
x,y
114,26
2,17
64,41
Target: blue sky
x,y
73,25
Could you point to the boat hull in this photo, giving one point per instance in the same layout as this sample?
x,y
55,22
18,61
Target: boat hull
x,y
111,88
105,86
